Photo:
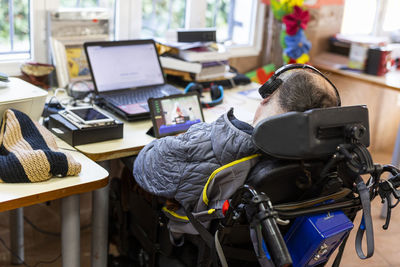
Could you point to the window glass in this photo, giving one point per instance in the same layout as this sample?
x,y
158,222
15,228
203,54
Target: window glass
x,y
232,20
358,16
217,15
158,16
14,31
392,20
85,3
108,5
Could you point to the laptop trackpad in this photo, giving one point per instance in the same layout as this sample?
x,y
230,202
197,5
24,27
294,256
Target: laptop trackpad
x,y
135,108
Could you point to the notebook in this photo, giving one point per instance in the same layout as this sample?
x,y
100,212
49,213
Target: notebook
x,y
126,74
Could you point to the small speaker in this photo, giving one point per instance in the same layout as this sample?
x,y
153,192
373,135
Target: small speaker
x,y
197,35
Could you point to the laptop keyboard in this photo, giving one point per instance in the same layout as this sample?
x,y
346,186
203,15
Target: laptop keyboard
x,y
141,95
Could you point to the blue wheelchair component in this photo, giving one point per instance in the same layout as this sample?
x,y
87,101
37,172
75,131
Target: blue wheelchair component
x,y
312,239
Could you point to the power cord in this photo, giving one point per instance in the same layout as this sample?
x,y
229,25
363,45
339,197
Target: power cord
x,y
40,230
43,232
23,262
47,232
13,253
48,262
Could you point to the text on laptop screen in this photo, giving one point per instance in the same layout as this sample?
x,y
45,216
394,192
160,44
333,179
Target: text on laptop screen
x,y
175,114
125,66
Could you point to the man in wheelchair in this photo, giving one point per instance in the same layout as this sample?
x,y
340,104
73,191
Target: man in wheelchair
x,y
297,166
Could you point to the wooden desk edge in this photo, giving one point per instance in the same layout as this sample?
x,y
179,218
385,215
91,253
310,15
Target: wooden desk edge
x,y
52,195
112,154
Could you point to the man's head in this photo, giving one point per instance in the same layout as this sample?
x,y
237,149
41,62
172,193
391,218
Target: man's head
x,y
298,89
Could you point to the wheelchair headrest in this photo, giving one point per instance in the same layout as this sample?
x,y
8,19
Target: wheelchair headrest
x,y
312,134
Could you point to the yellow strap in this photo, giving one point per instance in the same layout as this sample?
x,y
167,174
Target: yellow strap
x,y
176,215
211,211
205,198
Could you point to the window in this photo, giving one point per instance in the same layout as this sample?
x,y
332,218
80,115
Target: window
x,y
161,15
236,21
375,17
15,32
232,19
79,3
391,19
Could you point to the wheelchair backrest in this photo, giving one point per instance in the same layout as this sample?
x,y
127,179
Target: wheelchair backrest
x,y
313,134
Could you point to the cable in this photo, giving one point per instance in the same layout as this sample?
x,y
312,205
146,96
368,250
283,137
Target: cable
x,y
47,232
48,262
40,230
13,253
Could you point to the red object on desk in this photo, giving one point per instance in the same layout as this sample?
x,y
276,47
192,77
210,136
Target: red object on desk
x,y
378,61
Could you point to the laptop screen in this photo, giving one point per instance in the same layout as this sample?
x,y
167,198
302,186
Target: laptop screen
x,y
124,66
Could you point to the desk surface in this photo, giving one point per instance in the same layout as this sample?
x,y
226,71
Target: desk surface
x,y
333,62
135,137
92,177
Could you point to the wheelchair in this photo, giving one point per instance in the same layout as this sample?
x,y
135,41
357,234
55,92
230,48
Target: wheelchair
x,y
295,208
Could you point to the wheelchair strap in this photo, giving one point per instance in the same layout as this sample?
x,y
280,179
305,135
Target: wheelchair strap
x,y
339,256
205,235
366,222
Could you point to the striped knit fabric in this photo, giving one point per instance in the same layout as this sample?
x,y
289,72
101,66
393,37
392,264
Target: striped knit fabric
x,y
29,153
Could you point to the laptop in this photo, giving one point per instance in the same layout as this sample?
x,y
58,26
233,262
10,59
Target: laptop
x,y
126,74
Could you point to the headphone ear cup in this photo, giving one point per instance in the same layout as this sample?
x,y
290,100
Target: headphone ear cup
x,y
269,87
194,87
215,92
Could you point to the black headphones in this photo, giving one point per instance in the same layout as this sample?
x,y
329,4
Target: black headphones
x,y
216,91
274,82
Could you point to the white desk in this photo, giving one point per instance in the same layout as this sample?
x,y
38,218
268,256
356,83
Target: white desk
x,y
92,177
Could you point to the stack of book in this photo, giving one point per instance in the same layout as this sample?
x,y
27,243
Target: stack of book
x,y
195,62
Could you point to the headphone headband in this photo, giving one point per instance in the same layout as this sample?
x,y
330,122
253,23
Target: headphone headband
x,y
274,82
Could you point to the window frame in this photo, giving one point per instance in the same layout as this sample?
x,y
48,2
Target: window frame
x,y
38,18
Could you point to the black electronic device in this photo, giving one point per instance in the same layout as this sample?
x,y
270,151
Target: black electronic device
x,y
175,114
274,82
197,35
216,93
74,135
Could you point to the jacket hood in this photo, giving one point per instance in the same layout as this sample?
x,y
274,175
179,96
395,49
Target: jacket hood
x,y
228,142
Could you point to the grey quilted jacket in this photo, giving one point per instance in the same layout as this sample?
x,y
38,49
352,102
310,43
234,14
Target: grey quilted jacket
x,y
179,167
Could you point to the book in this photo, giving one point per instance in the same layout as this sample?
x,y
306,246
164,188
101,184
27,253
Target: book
x,y
204,53
186,76
178,64
214,63
211,78
211,72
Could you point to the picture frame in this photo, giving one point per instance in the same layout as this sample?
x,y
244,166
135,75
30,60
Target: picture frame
x,y
70,60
